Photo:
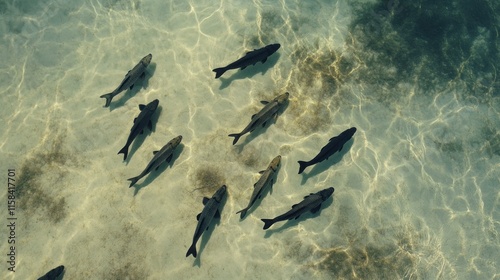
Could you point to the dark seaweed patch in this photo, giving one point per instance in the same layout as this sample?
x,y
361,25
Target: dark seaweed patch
x,y
492,139
370,260
208,180
429,43
450,147
316,82
129,238
44,166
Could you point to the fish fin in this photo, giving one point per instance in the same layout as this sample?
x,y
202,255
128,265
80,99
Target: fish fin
x,y
156,169
262,171
127,73
341,147
253,116
150,125
243,67
198,217
264,60
267,223
243,213
295,205
133,181
264,124
217,214
296,217
191,250
205,200
142,106
154,152
124,151
333,138
131,86
142,75
135,119
219,71
316,209
260,196
169,158
142,131
303,165
236,137
264,102
109,97
275,117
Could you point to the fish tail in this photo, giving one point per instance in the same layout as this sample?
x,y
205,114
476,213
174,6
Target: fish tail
x,y
133,181
303,165
124,151
191,250
219,71
243,213
108,97
267,223
236,137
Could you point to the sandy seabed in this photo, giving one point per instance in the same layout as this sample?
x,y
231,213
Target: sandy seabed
x,y
416,190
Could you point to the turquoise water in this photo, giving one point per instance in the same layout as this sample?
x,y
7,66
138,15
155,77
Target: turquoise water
x,y
416,190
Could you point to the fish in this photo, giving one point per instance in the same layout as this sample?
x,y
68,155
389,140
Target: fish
x,y
269,111
53,274
132,76
312,203
267,179
206,216
143,120
250,58
163,155
335,144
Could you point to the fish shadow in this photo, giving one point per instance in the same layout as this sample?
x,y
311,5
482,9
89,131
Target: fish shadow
x,y
155,173
129,93
324,165
292,223
206,236
141,137
250,71
252,135
258,201
259,130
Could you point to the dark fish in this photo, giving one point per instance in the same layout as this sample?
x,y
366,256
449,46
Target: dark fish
x,y
250,58
210,211
334,145
267,179
53,274
163,155
138,72
143,120
265,114
312,203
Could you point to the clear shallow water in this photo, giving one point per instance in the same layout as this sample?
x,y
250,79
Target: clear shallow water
x,y
416,191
